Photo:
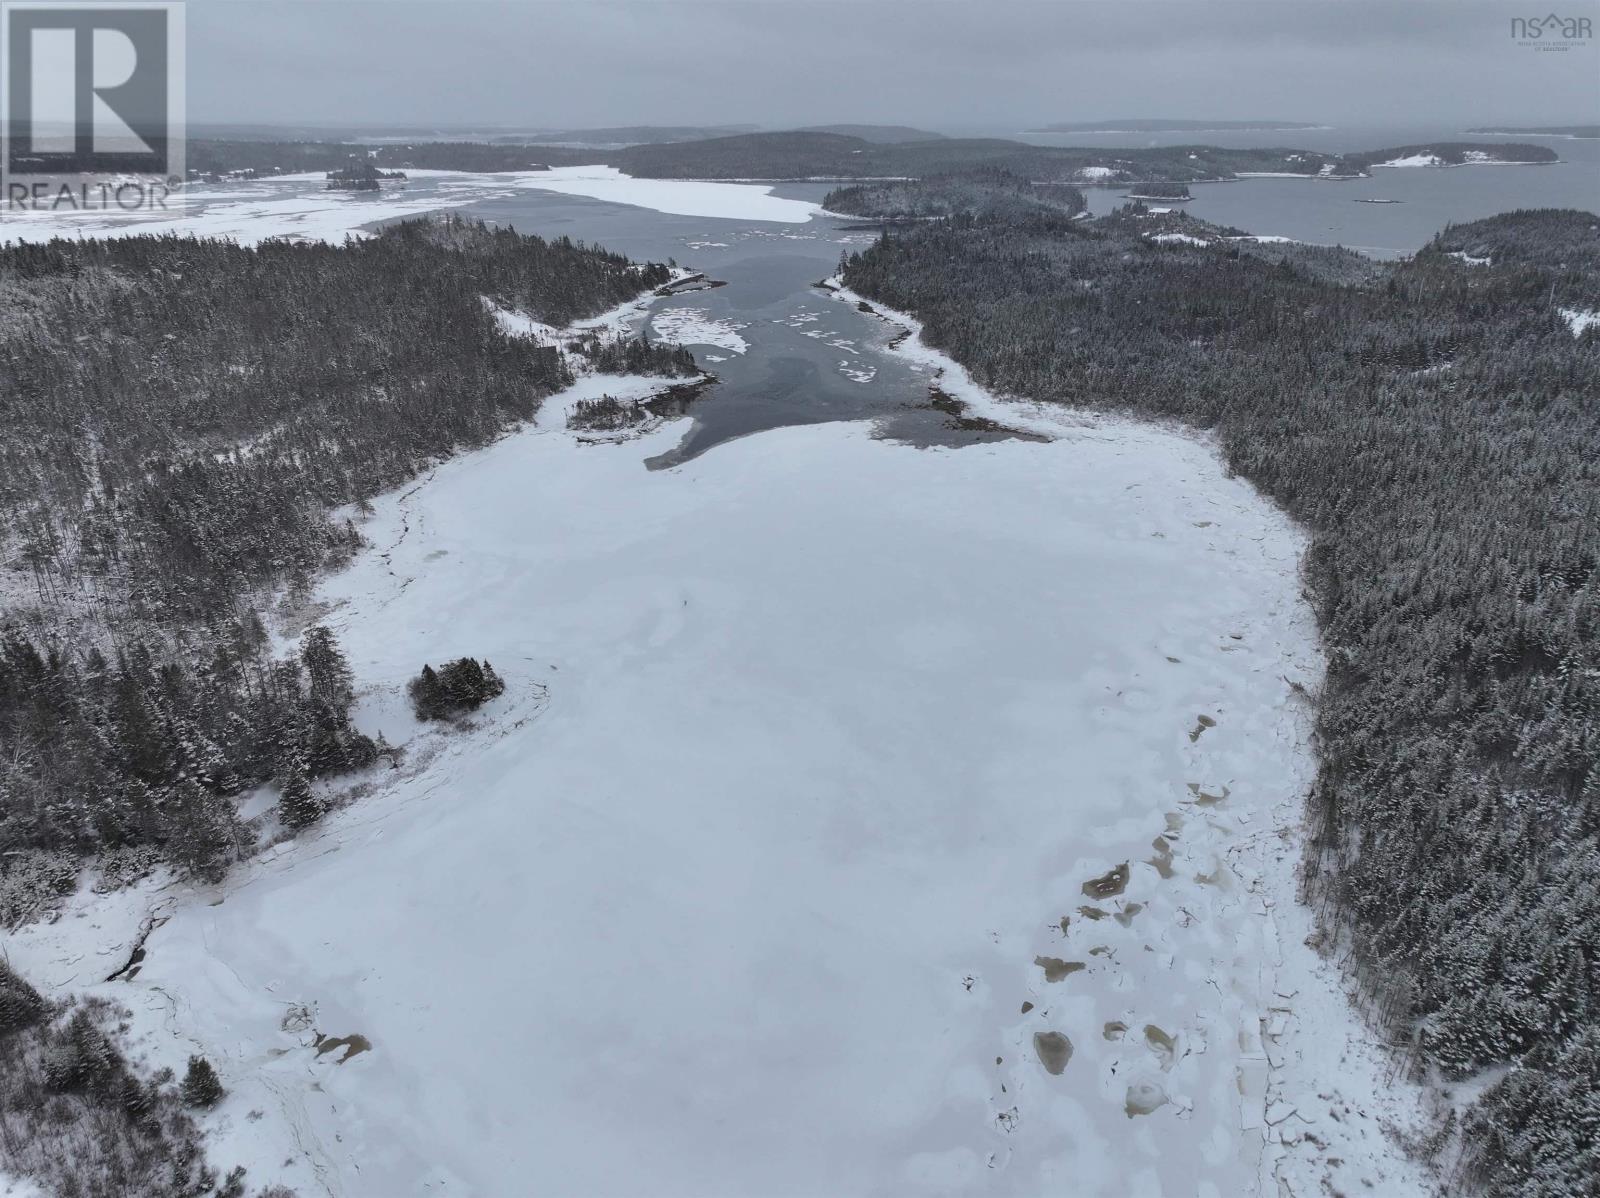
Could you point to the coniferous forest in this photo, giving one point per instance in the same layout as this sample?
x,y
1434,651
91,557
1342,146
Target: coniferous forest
x,y
182,421
1434,424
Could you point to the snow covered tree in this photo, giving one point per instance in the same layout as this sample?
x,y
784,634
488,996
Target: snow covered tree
x,y
428,699
20,1003
464,684
327,671
203,832
298,807
201,1085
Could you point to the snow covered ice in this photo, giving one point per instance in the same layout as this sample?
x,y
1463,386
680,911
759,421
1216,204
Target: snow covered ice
x,y
859,819
684,197
300,207
813,748
697,327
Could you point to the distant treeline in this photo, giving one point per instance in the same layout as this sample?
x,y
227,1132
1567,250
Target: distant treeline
x,y
1168,125
824,154
981,193
802,155
1434,423
265,158
1546,130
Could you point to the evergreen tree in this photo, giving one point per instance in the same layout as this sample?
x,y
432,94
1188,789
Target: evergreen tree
x,y
20,1004
202,830
201,1085
298,807
428,698
327,671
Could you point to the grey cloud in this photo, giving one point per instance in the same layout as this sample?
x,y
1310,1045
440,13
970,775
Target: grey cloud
x,y
946,63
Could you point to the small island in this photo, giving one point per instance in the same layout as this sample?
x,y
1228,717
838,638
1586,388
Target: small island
x,y
997,195
1455,153
361,175
1165,125
1166,193
1577,131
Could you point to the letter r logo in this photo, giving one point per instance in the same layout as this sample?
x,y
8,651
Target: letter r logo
x,y
92,88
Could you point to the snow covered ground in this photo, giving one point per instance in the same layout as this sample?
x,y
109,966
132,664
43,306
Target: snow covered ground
x,y
300,207
250,211
1579,320
1469,158
1413,160
860,819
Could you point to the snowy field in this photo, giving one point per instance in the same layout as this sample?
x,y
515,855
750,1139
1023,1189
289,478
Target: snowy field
x,y
860,819
300,206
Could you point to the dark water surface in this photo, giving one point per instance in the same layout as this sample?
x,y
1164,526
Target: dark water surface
x,y
1331,212
811,358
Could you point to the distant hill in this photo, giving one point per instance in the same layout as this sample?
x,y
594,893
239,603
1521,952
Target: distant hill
x,y
1163,125
633,135
1541,130
881,134
482,134
808,155
209,157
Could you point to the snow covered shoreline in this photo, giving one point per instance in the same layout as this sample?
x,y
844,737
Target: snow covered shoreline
x,y
1313,1038
300,208
1473,158
860,819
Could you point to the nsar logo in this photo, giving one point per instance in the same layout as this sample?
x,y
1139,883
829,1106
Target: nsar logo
x,y
1551,32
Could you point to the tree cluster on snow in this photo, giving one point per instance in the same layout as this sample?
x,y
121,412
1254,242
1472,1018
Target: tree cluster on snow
x,y
458,686
1434,424
606,414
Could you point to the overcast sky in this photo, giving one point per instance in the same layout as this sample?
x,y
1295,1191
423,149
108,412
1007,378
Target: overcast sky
x,y
948,64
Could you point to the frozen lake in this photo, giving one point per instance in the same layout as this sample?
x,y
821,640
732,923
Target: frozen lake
x,y
878,806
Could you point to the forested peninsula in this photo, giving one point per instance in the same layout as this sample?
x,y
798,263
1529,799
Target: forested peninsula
x,y
187,425
1432,423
